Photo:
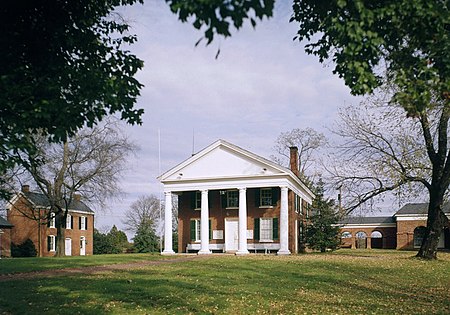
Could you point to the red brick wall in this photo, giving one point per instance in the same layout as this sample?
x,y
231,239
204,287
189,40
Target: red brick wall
x,y
405,233
217,215
5,244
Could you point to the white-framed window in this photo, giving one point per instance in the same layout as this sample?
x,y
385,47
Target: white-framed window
x,y
51,243
266,229
298,204
69,222
198,200
83,223
195,230
232,199
265,197
52,222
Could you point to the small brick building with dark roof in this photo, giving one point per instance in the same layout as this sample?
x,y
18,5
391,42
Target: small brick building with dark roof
x,y
5,237
79,230
403,230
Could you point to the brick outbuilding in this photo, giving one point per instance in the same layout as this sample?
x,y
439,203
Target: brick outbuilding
x,y
403,230
24,212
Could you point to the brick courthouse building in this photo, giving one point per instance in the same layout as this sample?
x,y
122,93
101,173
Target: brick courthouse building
x,y
403,230
232,200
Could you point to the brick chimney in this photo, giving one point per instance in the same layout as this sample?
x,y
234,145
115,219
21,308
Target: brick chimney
x,y
25,188
293,161
77,197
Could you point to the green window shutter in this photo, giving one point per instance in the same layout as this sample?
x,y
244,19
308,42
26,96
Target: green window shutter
x,y
256,229
48,243
192,230
223,200
71,222
257,197
192,195
275,195
85,223
79,223
210,230
275,228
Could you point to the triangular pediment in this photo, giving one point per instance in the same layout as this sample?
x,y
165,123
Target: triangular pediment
x,y
222,160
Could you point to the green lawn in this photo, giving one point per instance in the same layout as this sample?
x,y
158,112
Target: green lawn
x,y
344,282
17,265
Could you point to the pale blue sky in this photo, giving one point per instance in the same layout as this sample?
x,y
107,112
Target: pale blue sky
x,y
262,84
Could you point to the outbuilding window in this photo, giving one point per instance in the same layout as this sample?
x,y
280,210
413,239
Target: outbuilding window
x,y
51,243
83,223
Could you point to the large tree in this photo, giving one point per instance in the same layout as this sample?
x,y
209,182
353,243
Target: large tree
x,y
384,152
63,65
308,141
89,163
406,40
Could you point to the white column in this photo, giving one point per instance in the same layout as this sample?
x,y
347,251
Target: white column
x,y
284,223
242,222
204,225
168,224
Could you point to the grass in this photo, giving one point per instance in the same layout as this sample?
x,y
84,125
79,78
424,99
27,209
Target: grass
x,y
16,265
350,282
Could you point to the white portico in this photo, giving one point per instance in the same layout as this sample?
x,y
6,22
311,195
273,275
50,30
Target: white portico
x,y
231,200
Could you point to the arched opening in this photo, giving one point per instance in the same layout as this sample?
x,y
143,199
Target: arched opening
x,y
346,235
419,234
361,240
377,239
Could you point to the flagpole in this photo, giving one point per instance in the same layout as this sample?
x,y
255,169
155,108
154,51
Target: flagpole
x,y
160,190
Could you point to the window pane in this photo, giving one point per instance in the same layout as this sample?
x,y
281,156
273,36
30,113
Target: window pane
x,y
198,200
198,234
232,198
266,229
266,197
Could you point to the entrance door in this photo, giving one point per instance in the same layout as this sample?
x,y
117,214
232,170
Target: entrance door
x,y
68,247
82,246
231,235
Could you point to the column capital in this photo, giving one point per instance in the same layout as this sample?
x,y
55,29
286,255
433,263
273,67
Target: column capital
x,y
285,188
243,189
166,193
204,191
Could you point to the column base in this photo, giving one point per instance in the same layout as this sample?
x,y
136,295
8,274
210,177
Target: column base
x,y
204,252
283,252
168,252
242,252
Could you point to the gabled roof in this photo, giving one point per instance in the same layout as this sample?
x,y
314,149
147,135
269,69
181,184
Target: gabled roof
x,y
40,200
418,209
367,220
5,224
223,160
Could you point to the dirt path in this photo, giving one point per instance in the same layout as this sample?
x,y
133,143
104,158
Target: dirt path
x,y
92,269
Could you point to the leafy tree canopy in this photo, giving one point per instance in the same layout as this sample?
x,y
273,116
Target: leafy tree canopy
x,y
62,66
408,38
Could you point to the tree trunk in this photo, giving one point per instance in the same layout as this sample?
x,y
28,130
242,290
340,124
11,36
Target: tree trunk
x,y
435,224
60,235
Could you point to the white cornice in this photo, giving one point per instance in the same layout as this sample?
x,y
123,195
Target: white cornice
x,y
365,226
